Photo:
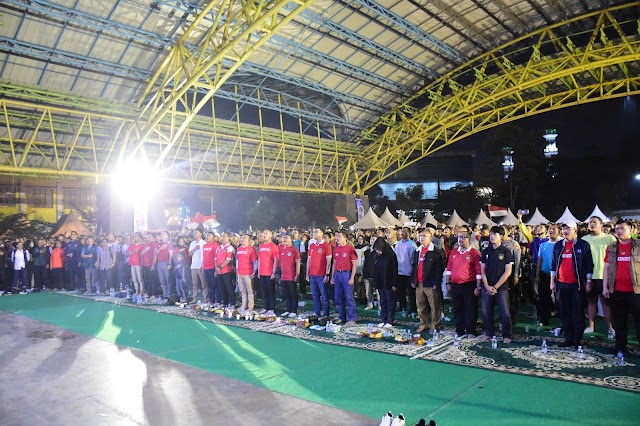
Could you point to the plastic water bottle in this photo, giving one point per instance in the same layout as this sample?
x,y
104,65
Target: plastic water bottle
x,y
620,359
494,343
544,349
370,328
580,354
128,294
526,329
611,334
435,335
404,313
456,340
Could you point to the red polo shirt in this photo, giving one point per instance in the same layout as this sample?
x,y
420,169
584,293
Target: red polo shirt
x,y
623,282
223,254
567,271
317,259
342,257
209,255
464,266
134,254
163,253
288,257
147,257
267,255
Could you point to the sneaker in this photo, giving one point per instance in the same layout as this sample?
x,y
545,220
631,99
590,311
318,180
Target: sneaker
x,y
398,421
387,419
613,332
387,325
292,315
368,307
381,324
271,314
285,314
350,324
588,330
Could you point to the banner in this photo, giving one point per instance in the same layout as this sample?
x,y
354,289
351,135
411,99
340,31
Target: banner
x,y
141,215
359,208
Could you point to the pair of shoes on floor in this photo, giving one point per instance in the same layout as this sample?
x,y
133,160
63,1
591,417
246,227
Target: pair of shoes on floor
x,y
385,325
423,422
388,420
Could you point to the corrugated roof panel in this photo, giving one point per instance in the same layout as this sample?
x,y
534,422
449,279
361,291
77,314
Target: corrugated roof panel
x,y
33,32
108,50
59,77
22,70
131,14
77,41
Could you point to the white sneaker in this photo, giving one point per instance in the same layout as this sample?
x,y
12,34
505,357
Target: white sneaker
x,y
387,325
386,419
292,315
285,314
271,314
613,332
398,421
588,330
381,324
368,307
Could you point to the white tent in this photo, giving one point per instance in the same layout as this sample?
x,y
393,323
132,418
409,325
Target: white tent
x,y
482,219
537,219
509,219
597,212
405,220
429,219
456,220
370,221
567,217
388,217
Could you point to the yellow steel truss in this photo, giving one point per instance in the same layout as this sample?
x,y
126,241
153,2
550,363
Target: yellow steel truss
x,y
542,71
585,59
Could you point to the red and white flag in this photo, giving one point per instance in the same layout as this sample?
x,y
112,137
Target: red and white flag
x,y
496,211
341,219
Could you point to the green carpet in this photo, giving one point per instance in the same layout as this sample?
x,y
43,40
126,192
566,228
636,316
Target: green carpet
x,y
364,382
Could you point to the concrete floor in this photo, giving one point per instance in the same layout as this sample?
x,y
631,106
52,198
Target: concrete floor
x,y
50,376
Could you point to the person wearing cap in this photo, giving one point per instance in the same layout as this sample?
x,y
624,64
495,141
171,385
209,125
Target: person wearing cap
x,y
496,266
599,241
621,284
571,272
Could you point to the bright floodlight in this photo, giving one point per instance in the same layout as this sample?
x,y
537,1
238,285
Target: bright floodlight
x,y
135,180
637,177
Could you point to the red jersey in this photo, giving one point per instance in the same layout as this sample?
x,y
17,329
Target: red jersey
x,y
147,257
134,254
567,271
267,255
317,258
288,258
163,251
245,256
209,255
423,252
464,265
342,257
623,283
223,254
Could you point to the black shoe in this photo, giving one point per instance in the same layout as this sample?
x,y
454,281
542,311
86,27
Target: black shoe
x,y
565,344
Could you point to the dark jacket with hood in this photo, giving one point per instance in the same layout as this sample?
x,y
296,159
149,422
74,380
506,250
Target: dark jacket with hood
x,y
388,266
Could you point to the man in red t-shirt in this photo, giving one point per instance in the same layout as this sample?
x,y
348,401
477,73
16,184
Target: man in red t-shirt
x,y
464,282
345,264
268,254
246,268
149,265
163,255
135,260
209,251
318,267
619,283
224,270
290,269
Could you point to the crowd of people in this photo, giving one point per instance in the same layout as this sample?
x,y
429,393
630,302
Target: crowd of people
x,y
563,269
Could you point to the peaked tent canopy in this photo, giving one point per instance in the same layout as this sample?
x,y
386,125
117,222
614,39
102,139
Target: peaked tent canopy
x,y
456,220
388,217
482,219
567,216
370,221
538,219
70,223
509,219
405,220
429,219
597,212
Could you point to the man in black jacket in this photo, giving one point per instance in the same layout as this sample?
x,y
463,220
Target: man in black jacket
x,y
426,276
571,271
385,269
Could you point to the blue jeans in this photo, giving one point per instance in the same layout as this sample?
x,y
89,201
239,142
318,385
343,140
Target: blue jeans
x,y
488,307
163,277
318,293
20,275
387,305
572,312
344,291
212,284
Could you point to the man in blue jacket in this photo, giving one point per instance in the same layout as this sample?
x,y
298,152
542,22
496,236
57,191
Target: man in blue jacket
x,y
571,271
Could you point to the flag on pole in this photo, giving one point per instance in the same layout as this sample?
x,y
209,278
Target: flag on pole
x,y
341,219
497,211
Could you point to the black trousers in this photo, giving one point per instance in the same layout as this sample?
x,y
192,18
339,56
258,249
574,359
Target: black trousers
x,y
150,280
387,305
403,284
269,292
572,302
623,304
290,296
57,277
226,288
41,276
465,307
72,275
545,302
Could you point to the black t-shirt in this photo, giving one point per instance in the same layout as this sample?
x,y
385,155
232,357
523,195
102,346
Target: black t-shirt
x,y
495,261
484,243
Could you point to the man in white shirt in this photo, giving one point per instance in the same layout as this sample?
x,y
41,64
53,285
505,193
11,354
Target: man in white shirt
x,y
19,258
197,271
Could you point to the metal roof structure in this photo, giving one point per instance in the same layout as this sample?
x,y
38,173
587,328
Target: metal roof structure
x,y
350,77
